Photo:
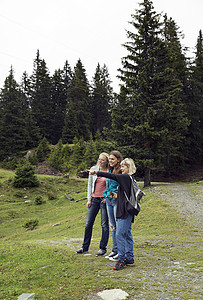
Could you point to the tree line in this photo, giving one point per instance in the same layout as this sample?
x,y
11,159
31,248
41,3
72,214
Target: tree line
x,y
156,118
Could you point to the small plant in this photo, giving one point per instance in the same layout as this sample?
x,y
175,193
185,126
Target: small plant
x,y
39,200
30,223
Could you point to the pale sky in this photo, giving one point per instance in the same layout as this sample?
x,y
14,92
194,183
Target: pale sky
x,y
92,30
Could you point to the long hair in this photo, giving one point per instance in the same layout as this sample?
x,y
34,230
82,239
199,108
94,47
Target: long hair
x,y
129,162
117,167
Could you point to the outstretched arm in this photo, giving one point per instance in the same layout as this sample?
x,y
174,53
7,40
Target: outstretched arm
x,y
104,174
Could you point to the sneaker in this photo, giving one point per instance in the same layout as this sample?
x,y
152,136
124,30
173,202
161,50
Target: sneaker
x,y
114,258
101,252
112,254
81,250
129,262
119,265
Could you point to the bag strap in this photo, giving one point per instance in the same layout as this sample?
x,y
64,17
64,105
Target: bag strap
x,y
125,191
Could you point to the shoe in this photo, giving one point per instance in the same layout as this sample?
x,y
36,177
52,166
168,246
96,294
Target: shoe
x,y
81,250
112,254
129,262
101,252
119,265
114,258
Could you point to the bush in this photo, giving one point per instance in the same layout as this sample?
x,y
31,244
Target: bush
x,y
39,200
25,176
31,223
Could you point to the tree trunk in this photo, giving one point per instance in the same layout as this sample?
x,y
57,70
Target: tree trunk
x,y
147,181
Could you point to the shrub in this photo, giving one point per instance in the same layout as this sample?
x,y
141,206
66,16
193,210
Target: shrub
x,y
25,176
30,223
39,200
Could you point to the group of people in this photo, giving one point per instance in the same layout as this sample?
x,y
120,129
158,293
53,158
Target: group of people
x,y
108,184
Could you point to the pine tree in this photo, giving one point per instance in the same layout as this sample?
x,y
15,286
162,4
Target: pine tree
x,y
141,46
67,76
33,131
59,101
78,150
70,129
13,134
153,117
176,53
56,156
60,84
102,99
121,117
41,102
43,150
78,113
90,155
195,105
25,176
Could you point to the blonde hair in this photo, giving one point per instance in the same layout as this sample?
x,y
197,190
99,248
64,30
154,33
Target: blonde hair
x,y
129,162
107,158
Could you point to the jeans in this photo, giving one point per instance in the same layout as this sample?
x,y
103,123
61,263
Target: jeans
x,y
96,205
124,238
111,205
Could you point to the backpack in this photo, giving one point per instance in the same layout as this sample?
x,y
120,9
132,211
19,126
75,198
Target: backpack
x,y
133,203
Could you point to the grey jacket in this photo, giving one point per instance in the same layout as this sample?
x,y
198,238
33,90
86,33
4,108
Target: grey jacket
x,y
91,182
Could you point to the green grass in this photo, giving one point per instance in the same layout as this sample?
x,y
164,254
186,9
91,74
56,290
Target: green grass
x,y
43,261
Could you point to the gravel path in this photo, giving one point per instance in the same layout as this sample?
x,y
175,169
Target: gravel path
x,y
188,200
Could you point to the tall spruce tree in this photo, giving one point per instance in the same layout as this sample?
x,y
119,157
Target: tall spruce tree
x,y
41,101
176,53
33,131
153,118
67,76
175,85
78,112
195,105
102,99
13,134
60,83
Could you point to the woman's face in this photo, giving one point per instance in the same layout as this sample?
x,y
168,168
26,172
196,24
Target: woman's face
x,y
113,160
124,169
102,160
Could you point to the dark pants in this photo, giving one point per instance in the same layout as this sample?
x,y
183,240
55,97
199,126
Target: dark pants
x,y
96,205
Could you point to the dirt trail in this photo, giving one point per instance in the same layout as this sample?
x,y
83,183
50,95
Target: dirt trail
x,y
188,200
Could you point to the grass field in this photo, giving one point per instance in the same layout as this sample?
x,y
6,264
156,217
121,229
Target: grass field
x,y
43,260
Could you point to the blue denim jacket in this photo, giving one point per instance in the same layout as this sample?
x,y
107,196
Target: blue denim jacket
x,y
112,187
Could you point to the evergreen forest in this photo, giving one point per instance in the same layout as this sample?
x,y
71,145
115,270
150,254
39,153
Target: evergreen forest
x,y
156,118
